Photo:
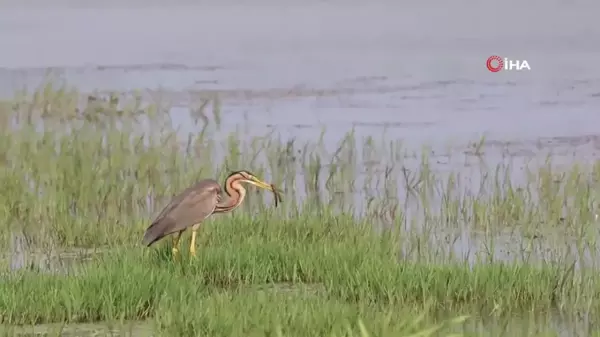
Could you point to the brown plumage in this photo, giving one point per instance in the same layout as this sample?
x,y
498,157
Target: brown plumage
x,y
196,203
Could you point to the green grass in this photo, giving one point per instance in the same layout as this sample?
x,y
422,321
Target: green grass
x,y
265,275
370,239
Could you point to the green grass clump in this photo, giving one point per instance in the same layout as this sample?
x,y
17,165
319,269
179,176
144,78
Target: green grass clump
x,y
371,240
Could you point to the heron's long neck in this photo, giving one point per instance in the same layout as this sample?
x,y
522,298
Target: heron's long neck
x,y
235,193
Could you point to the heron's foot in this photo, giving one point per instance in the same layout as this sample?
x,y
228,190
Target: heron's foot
x,y
193,252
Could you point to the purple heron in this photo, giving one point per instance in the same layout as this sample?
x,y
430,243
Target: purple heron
x,y
196,203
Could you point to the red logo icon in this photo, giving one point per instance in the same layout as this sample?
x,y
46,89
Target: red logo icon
x,y
494,63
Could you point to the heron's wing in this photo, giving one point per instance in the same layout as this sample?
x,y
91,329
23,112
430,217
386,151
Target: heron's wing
x,y
188,208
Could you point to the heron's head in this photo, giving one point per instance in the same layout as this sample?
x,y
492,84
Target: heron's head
x,y
248,177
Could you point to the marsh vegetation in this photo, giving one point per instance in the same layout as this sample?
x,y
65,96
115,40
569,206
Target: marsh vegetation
x,y
371,239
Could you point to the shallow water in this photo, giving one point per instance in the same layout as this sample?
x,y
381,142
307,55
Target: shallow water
x,y
22,256
137,329
415,67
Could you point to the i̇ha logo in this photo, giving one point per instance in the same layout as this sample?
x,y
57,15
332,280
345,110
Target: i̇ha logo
x,y
496,63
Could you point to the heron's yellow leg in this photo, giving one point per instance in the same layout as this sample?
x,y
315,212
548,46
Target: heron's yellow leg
x,y
193,243
175,248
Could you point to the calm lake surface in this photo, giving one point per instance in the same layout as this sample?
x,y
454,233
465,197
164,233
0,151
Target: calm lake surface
x,y
417,67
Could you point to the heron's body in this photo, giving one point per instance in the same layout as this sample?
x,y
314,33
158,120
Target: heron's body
x,y
186,209
196,203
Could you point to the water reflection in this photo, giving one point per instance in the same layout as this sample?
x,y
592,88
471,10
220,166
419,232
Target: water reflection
x,y
133,329
46,258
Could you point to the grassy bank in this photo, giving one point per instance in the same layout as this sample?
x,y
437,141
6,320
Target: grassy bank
x,y
303,277
371,239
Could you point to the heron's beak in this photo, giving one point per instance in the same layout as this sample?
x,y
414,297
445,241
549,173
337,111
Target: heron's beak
x,y
259,183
